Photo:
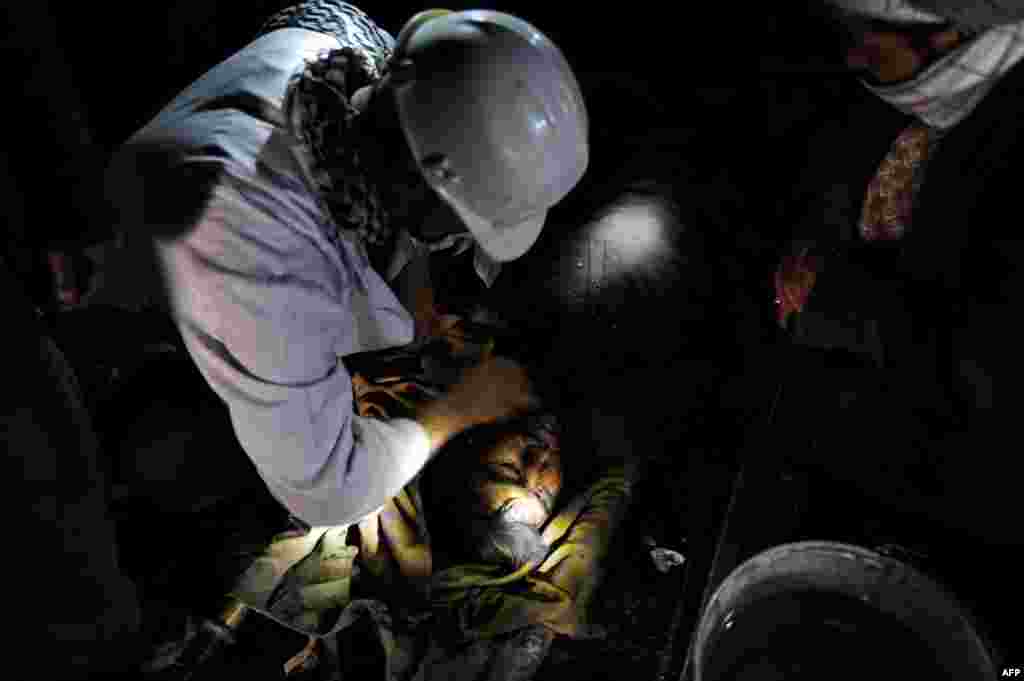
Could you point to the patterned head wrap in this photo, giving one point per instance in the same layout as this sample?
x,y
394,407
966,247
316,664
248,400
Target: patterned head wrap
x,y
319,111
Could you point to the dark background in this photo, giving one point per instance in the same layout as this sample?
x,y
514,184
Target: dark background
x,y
706,104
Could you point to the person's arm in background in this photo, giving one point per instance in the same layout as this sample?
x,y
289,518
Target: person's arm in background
x,y
817,213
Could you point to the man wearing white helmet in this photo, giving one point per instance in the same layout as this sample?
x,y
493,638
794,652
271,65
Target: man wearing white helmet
x,y
269,186
900,252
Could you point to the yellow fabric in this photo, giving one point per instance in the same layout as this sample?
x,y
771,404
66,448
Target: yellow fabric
x,y
311,575
392,542
485,600
304,581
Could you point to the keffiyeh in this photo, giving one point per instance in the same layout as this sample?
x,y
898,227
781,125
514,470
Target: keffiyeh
x,y
320,113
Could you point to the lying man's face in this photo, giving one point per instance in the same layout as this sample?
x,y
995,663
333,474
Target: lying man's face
x,y
499,489
519,478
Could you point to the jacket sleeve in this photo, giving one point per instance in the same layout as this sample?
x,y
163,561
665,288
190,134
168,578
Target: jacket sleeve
x,y
265,310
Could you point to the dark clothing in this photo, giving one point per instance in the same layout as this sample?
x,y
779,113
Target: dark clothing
x,y
52,152
76,608
935,310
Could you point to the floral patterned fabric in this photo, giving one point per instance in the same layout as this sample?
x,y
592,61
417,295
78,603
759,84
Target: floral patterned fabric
x,y
889,202
886,214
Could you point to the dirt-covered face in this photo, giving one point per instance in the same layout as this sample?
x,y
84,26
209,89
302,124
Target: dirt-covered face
x,y
520,477
495,488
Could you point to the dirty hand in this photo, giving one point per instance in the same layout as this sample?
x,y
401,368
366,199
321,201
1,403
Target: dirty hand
x,y
496,389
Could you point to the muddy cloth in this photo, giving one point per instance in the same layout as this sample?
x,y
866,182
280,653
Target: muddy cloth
x,y
434,617
933,309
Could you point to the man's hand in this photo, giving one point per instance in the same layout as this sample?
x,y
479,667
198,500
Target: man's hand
x,y
494,390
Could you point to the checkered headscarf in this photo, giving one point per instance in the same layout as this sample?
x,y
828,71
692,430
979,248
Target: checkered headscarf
x,y
948,91
318,108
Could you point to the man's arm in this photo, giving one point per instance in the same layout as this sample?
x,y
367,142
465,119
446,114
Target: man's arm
x,y
265,314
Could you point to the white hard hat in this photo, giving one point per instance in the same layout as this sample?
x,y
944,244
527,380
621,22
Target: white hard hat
x,y
495,119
